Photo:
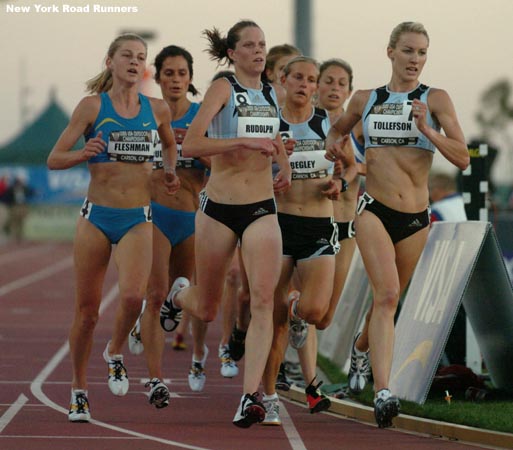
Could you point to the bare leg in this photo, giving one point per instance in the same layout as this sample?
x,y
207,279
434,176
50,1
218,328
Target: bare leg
x,y
133,258
91,256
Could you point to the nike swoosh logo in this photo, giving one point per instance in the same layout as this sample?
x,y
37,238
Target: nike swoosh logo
x,y
421,354
146,124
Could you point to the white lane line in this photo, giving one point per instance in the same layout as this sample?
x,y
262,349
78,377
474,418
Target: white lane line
x,y
37,388
37,276
12,411
290,430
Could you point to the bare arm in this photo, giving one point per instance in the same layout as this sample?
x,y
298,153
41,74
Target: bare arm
x,y
348,119
197,145
345,167
283,179
163,117
82,118
452,146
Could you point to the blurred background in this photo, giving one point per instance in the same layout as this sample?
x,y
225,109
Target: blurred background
x,y
49,54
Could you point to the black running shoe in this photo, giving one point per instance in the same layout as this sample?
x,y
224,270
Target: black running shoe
x,y
237,343
250,411
282,382
385,410
159,393
170,316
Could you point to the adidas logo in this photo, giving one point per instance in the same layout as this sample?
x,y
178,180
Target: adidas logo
x,y
322,241
415,224
260,212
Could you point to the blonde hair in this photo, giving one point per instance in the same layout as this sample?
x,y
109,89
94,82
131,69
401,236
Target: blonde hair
x,y
103,81
275,53
287,69
406,27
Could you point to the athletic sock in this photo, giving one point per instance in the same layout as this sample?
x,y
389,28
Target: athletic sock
x,y
266,397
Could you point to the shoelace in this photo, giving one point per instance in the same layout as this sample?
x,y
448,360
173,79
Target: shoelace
x,y
197,369
299,326
253,398
272,406
226,358
361,364
82,403
119,369
153,382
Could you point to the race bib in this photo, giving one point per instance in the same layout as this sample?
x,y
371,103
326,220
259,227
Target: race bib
x,y
131,146
392,124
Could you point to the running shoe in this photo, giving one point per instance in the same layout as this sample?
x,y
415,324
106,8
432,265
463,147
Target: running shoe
x,y
282,382
360,369
237,343
135,344
197,375
159,393
298,328
272,412
250,411
386,407
170,315
118,377
178,342
293,370
229,367
79,406
316,400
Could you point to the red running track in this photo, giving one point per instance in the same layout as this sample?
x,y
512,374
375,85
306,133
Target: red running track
x,y
36,307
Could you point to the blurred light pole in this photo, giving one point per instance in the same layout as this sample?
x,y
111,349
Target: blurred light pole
x,y
303,25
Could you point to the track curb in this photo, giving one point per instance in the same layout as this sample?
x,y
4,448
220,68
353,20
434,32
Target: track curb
x,y
450,431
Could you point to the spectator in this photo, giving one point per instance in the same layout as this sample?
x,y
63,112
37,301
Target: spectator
x,y
446,202
16,197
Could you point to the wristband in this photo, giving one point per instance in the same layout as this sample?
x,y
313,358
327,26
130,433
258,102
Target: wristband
x,y
344,185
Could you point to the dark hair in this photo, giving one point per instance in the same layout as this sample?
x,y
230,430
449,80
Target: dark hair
x,y
222,74
172,51
339,63
218,45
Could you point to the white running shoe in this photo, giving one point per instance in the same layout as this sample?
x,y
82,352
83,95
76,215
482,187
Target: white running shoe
x,y
272,412
229,367
298,328
135,344
118,377
170,315
197,376
360,369
159,393
79,406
